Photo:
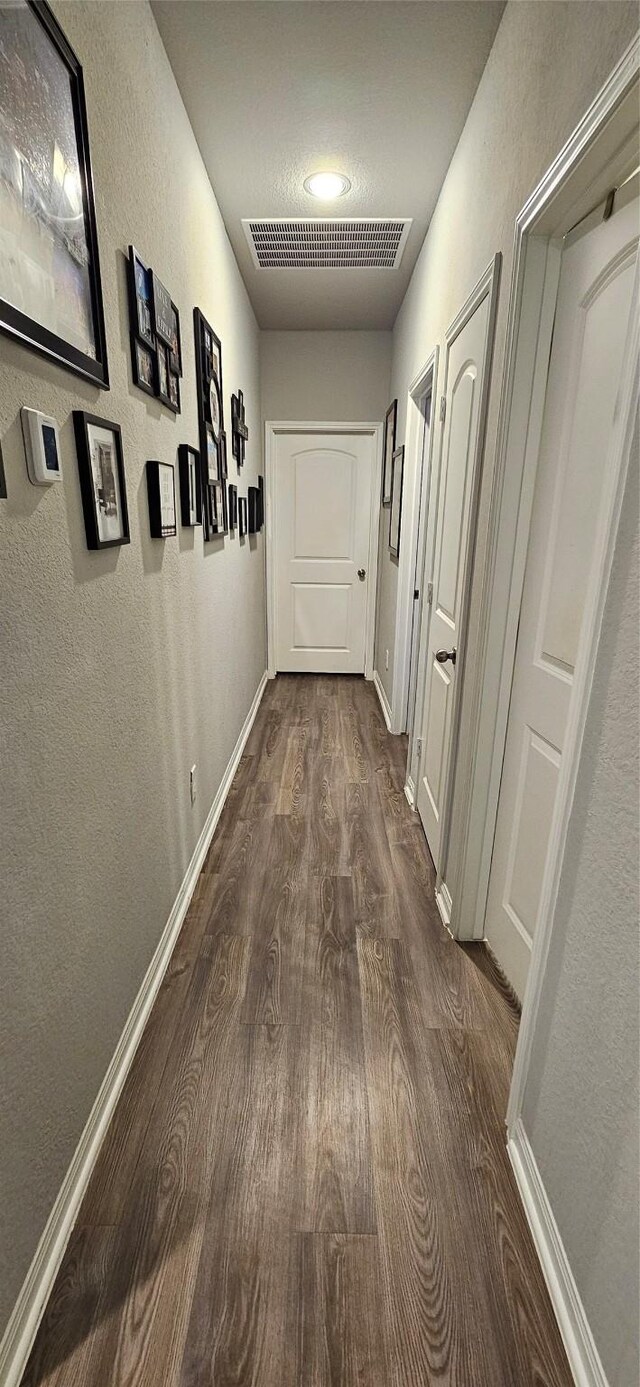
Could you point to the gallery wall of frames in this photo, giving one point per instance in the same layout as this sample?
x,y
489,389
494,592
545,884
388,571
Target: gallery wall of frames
x,y
51,300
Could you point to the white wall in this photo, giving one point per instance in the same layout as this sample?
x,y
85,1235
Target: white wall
x,y
581,1100
120,669
546,65
325,375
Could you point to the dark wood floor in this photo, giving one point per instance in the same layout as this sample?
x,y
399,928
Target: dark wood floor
x,y
305,1182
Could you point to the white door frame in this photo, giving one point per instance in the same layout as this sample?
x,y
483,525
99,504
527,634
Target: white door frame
x,y
407,561
605,140
423,499
272,429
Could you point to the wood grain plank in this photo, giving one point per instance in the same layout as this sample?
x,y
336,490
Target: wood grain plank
x,y
163,1221
276,963
240,1316
340,1322
335,1142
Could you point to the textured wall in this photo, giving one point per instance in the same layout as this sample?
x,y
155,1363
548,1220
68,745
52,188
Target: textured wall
x,y
546,65
119,669
581,1100
325,375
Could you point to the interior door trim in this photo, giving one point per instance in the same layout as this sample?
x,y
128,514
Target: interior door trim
x,y
274,428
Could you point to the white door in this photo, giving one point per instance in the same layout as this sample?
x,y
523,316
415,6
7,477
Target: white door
x,y
592,316
453,516
322,488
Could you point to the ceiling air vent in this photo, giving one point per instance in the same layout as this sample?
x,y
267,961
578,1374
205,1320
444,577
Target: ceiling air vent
x,y
317,243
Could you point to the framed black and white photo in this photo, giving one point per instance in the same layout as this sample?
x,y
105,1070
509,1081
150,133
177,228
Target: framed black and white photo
x,y
233,506
395,515
162,499
242,516
261,506
50,289
102,480
388,451
190,485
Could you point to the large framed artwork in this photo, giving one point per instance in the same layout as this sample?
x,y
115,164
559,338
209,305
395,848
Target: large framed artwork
x,y
395,515
388,451
102,481
50,289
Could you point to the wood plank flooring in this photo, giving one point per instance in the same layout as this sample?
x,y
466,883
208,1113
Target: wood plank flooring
x,y
305,1183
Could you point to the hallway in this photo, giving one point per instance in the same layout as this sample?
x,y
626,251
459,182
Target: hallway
x,y
305,1182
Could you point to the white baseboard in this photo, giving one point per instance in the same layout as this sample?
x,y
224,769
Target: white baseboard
x,y
444,903
384,701
21,1330
410,792
584,1359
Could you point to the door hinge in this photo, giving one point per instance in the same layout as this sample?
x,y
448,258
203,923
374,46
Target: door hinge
x,y
416,594
419,747
429,593
443,408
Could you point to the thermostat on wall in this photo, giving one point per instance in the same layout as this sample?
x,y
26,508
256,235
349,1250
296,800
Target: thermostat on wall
x,y
42,447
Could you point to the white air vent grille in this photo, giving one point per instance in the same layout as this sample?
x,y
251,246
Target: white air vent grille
x,y
316,243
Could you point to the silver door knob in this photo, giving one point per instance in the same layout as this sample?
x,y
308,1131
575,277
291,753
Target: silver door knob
x,y
362,573
443,655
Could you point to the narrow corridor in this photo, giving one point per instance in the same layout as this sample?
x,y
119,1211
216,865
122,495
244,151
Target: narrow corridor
x,y
306,1182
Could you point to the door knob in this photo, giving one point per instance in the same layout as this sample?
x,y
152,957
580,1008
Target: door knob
x,y
443,655
362,573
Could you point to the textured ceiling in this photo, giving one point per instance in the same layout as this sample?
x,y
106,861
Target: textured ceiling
x,y
377,89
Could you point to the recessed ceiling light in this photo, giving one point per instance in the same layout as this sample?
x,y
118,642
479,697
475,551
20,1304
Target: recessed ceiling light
x,y
327,185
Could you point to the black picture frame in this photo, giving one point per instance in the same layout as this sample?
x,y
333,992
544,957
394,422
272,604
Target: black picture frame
x,y
389,447
162,310
161,492
140,306
190,485
242,516
395,513
232,492
261,508
3,479
253,508
145,290
98,499
14,321
144,366
209,373
175,346
239,430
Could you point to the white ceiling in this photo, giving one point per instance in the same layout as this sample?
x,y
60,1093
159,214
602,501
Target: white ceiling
x,y
377,89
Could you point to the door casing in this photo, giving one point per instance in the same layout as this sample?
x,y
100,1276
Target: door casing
x,y
372,430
